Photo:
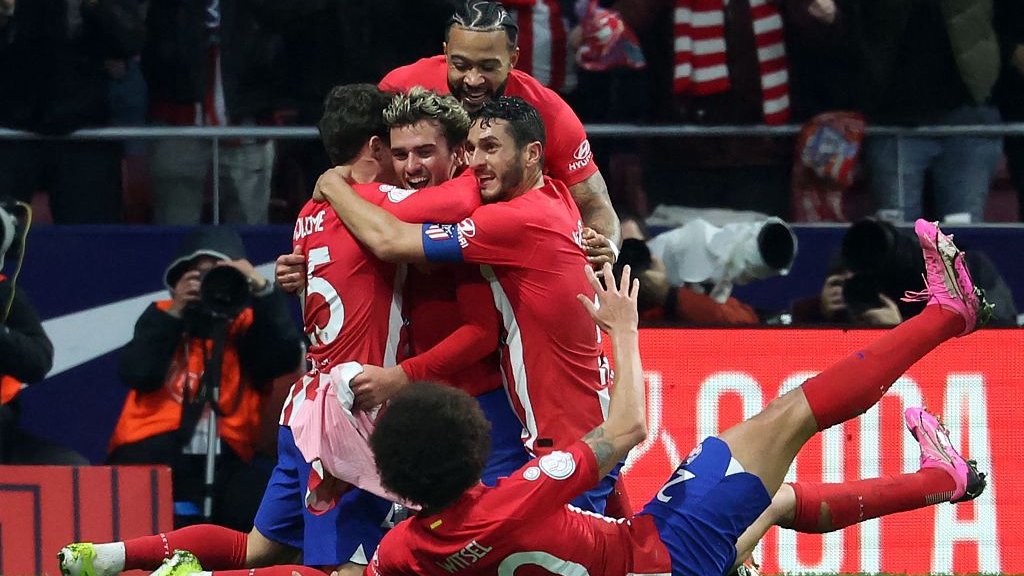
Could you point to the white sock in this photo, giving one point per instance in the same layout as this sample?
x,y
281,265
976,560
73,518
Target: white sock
x,y
109,558
204,573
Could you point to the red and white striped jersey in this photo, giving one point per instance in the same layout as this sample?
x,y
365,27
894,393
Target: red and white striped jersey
x,y
353,302
530,250
543,43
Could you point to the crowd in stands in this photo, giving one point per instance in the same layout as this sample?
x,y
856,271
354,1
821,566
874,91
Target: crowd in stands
x,y
73,64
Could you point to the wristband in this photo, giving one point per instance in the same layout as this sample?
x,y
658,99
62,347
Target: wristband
x,y
615,249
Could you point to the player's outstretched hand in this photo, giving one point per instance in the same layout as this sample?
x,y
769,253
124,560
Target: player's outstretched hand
x,y
599,249
616,308
290,271
375,385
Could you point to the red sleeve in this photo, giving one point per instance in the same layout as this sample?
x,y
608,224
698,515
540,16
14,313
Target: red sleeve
x,y
446,203
472,341
394,81
567,155
493,234
554,479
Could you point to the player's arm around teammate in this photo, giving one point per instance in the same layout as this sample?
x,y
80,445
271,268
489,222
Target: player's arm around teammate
x,y
386,236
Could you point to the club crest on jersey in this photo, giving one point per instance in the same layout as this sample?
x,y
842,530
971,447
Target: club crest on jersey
x,y
558,465
440,232
396,194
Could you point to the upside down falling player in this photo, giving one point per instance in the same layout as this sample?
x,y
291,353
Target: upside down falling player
x,y
710,511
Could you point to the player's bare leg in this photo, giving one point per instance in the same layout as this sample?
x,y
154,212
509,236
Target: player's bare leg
x,y
767,444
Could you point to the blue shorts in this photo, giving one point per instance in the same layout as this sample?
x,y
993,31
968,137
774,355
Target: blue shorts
x,y
509,455
704,508
350,531
507,451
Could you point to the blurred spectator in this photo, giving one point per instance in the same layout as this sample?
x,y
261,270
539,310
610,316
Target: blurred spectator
x,y
55,60
823,55
544,48
167,365
930,62
715,62
1010,90
877,264
26,355
211,63
334,43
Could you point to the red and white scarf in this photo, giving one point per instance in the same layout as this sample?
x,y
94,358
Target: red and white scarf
x,y
543,49
701,67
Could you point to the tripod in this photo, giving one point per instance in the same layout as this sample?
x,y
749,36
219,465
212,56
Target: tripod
x,y
208,394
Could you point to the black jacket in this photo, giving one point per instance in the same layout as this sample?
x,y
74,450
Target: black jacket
x,y
1010,89
26,353
52,75
176,58
269,349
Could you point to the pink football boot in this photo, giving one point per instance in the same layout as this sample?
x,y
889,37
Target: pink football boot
x,y
938,452
947,281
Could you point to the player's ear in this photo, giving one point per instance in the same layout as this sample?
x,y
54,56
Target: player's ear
x,y
377,148
534,154
515,58
459,159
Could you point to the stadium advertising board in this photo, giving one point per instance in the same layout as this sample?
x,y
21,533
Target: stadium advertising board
x,y
702,381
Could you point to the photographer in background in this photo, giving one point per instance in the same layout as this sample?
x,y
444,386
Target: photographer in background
x,y
26,353
164,417
876,265
687,274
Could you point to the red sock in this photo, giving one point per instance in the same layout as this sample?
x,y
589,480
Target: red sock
x,y
283,570
216,547
854,384
853,502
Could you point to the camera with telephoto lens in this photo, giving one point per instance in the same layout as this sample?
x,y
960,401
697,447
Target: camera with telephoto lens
x,y
223,294
883,260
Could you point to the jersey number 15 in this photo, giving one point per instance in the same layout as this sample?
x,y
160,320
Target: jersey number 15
x,y
323,335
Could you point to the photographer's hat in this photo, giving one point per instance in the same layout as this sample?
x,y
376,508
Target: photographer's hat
x,y
220,242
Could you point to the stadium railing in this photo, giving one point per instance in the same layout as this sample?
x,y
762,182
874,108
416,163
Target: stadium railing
x,y
618,131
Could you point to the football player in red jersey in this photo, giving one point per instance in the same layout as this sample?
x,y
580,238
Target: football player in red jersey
x,y
707,515
478,65
528,237
352,313
452,326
